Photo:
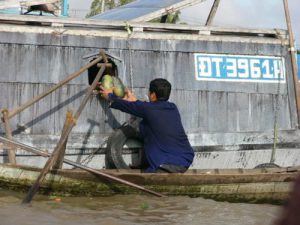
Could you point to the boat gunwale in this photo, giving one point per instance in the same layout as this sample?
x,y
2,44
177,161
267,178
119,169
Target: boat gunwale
x,y
191,177
262,191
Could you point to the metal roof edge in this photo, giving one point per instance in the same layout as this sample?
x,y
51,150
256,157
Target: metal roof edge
x,y
134,26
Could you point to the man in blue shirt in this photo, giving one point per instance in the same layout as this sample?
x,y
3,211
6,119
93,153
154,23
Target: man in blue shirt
x,y
166,145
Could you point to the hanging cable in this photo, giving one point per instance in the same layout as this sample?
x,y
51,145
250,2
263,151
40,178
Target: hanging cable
x,y
129,32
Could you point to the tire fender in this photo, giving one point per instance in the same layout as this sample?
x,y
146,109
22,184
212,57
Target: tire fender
x,y
116,141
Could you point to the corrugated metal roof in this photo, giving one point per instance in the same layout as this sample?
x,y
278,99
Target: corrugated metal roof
x,y
145,10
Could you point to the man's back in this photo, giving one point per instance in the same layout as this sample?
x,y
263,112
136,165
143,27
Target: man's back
x,y
165,141
166,145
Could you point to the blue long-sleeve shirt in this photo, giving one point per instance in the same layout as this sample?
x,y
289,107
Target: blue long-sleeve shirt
x,y
165,141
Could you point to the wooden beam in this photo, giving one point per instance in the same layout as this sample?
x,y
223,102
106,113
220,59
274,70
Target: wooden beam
x,y
61,154
293,58
55,87
102,6
12,150
212,13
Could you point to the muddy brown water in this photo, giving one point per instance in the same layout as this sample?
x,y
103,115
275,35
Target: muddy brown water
x,y
130,210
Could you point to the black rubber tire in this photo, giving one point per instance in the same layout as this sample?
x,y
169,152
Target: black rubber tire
x,y
116,141
266,165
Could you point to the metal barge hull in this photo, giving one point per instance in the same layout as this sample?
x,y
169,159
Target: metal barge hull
x,y
230,123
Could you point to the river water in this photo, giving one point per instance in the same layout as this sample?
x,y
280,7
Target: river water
x,y
131,210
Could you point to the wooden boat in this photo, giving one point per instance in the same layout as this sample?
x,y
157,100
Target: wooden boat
x,y
266,185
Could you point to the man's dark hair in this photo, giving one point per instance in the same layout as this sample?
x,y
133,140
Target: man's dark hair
x,y
161,87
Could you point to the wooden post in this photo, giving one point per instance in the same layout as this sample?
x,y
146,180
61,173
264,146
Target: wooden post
x,y
293,58
102,6
102,54
55,87
212,13
63,139
12,150
51,160
60,158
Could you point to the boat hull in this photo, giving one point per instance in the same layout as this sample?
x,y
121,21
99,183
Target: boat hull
x,y
255,186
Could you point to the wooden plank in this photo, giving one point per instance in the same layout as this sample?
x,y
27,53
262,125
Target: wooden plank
x,y
212,13
80,183
61,154
293,58
12,149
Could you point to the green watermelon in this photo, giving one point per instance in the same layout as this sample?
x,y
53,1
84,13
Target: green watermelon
x,y
107,82
119,89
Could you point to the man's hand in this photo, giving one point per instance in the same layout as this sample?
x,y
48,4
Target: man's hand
x,y
105,92
129,96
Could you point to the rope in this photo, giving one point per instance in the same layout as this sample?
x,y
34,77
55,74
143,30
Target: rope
x,y
275,131
129,32
277,108
89,158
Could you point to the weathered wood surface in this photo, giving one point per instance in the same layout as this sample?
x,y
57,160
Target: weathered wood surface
x,y
293,58
212,13
11,151
235,186
60,158
77,165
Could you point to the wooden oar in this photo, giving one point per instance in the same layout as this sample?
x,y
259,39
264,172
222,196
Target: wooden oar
x,y
69,162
